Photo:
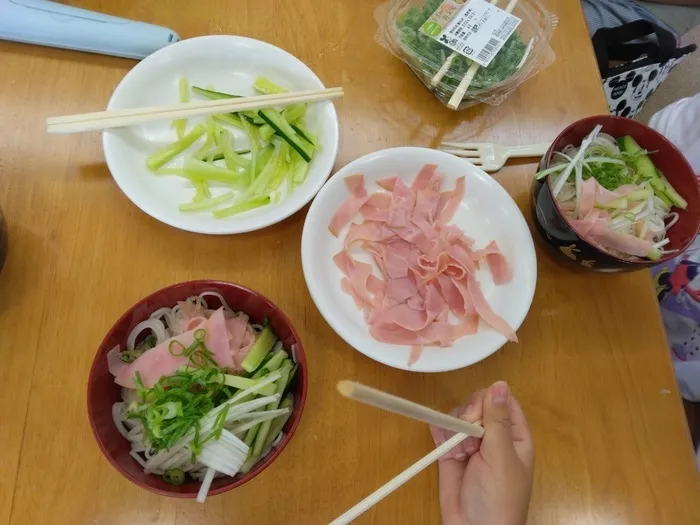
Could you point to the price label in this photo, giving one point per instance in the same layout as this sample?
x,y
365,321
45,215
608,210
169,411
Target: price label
x,y
476,29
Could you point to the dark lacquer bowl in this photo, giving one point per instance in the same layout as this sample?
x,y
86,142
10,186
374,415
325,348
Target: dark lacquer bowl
x,y
555,230
103,392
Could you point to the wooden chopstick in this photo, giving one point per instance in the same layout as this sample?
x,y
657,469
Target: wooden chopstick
x,y
398,405
399,480
461,90
404,407
128,117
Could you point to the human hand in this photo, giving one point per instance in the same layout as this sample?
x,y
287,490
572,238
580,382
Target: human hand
x,y
488,481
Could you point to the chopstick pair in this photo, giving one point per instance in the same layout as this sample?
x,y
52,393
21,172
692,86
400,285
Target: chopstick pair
x,y
461,90
101,120
397,405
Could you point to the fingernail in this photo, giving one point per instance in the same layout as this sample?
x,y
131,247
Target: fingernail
x,y
461,456
500,392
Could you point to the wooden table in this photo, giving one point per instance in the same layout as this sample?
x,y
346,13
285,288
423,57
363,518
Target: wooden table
x,y
592,369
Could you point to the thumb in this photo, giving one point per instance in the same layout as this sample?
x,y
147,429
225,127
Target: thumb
x,y
496,418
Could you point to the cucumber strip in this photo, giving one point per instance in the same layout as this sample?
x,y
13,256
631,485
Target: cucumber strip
x,y
211,94
263,159
220,95
207,204
282,169
267,174
261,347
241,207
205,151
266,87
672,194
299,170
231,120
253,151
294,112
220,156
197,170
252,118
202,191
284,130
170,171
274,362
264,431
232,159
266,132
243,383
660,191
257,436
279,422
638,195
305,134
181,123
165,155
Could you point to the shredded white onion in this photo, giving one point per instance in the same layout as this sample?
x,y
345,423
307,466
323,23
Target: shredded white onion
x,y
155,325
117,418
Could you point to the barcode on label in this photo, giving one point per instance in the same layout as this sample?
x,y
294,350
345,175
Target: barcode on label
x,y
488,50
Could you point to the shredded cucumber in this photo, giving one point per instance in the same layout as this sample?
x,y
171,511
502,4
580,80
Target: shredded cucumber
x,y
180,125
255,157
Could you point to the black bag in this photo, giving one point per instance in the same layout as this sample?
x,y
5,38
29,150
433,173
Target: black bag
x,y
642,67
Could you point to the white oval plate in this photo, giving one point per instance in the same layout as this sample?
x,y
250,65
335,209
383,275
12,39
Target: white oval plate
x,y
225,63
486,213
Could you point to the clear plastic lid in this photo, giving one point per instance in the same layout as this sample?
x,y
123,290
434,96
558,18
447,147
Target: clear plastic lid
x,y
442,71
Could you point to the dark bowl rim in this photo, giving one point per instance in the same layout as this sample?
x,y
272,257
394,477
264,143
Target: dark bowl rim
x,y
269,459
548,157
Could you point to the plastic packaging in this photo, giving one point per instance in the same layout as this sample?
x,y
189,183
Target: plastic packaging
x,y
523,55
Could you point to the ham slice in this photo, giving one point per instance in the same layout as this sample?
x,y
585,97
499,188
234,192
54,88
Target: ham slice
x,y
426,266
358,197
158,361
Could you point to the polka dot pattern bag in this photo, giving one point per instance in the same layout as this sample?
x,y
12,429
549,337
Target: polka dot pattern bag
x,y
634,59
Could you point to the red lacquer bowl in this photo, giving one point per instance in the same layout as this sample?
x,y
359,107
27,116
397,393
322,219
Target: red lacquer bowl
x,y
103,392
557,233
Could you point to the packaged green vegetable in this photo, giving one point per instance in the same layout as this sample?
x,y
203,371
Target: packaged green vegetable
x,y
468,52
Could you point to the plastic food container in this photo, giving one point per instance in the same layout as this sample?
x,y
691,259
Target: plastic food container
x,y
525,53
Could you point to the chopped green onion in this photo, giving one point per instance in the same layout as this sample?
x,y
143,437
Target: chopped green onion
x,y
174,476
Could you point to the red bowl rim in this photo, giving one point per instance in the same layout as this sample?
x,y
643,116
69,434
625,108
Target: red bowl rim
x,y
548,156
303,377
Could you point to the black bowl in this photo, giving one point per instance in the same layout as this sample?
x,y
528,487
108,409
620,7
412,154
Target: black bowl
x,y
557,233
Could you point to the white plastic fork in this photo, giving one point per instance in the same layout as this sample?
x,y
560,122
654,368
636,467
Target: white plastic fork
x,y
489,156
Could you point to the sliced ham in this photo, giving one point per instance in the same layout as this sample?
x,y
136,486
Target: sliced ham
x,y
358,197
159,361
496,261
425,175
451,202
426,266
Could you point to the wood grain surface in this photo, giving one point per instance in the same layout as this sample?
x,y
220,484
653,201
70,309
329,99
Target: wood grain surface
x,y
591,368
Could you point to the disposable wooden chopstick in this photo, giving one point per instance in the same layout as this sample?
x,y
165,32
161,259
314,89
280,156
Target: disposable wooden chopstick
x,y
129,117
398,405
190,105
459,93
399,480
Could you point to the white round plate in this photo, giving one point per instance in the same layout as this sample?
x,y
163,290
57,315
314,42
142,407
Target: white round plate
x,y
224,63
486,213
